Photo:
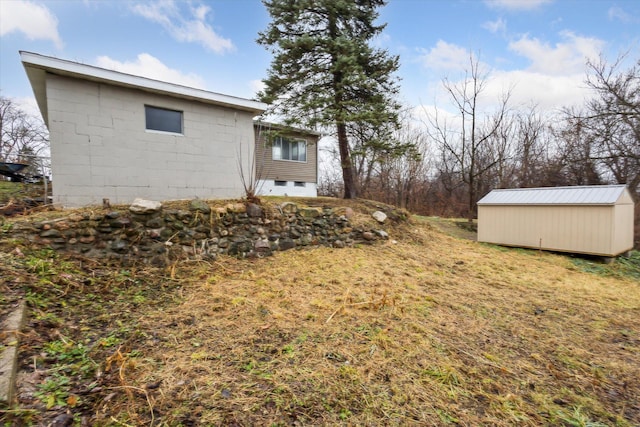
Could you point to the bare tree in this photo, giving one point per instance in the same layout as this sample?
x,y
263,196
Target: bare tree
x,y
529,127
407,171
464,146
577,151
501,153
612,119
23,136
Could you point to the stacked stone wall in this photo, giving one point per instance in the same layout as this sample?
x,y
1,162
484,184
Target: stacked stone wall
x,y
148,232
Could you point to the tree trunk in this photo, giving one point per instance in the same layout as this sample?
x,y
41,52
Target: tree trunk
x,y
343,141
345,162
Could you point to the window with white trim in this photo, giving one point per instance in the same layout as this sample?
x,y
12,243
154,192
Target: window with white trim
x,y
163,119
289,149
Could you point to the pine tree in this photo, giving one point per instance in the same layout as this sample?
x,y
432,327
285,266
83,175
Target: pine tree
x,y
325,73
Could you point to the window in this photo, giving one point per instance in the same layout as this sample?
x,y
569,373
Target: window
x,y
287,149
298,184
163,120
280,183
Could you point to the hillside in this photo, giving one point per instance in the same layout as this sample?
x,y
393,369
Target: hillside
x,y
424,329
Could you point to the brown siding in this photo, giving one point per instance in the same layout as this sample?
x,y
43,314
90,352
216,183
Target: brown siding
x,y
286,170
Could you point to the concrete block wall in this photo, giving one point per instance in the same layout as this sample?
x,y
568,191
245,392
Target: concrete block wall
x,y
101,149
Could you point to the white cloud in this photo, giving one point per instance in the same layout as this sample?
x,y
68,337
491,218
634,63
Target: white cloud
x,y
151,67
189,27
446,56
566,57
256,86
617,13
28,105
382,40
553,78
516,5
35,21
548,92
497,26
426,113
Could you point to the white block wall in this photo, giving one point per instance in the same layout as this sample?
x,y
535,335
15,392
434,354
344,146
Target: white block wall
x,y
267,187
101,149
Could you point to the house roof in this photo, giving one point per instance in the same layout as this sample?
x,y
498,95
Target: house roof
x,y
37,66
578,195
269,125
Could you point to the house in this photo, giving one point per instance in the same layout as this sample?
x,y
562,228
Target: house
x,y
286,160
118,136
595,220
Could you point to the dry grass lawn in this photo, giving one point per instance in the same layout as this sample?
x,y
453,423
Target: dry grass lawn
x,y
425,330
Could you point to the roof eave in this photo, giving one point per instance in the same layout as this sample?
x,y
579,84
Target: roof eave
x,y
38,65
36,78
286,128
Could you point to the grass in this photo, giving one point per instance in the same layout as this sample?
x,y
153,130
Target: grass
x,y
9,190
429,330
17,190
623,267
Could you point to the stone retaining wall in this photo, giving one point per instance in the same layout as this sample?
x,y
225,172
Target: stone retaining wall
x,y
157,235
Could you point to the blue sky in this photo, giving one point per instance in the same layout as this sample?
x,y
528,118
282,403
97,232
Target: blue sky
x,y
536,48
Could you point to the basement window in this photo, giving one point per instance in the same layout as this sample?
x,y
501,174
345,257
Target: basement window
x,y
298,184
163,120
280,183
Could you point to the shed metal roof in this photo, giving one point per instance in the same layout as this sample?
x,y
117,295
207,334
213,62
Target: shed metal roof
x,y
578,195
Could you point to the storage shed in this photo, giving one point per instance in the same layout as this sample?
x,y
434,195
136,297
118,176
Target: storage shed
x,y
595,219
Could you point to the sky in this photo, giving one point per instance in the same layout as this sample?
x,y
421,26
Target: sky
x,y
536,49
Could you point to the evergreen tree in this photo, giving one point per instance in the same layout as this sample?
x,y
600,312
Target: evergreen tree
x,y
325,73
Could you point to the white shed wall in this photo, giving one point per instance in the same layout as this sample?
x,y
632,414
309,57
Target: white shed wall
x,y
623,227
101,149
578,229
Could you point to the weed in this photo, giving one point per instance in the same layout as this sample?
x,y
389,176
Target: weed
x,y
344,414
445,375
134,353
621,267
446,418
628,266
288,349
70,355
577,418
139,298
592,267
301,338
350,373
40,266
54,391
35,299
51,319
250,366
238,301
110,341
